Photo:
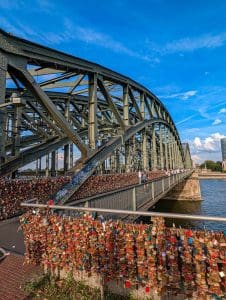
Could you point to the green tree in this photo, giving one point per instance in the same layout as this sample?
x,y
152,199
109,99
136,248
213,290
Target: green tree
x,y
212,165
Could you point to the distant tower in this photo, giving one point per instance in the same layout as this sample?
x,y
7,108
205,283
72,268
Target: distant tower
x,y
223,150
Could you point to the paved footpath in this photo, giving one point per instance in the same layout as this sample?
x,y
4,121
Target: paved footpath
x,y
10,238
13,274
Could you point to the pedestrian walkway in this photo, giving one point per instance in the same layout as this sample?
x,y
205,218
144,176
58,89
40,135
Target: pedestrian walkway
x,y
11,237
13,274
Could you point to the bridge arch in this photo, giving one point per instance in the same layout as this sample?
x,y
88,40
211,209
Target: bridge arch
x,y
50,99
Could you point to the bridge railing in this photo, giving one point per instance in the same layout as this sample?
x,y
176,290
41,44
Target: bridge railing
x,y
136,197
124,212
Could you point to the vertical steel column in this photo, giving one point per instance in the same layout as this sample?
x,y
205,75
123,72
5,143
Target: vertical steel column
x,y
166,149
173,153
133,153
92,118
3,70
126,121
112,163
144,150
71,155
47,165
154,154
134,200
181,161
53,164
57,162
142,106
16,122
36,170
170,150
127,157
161,148
126,104
117,160
144,135
177,155
40,167
66,158
66,147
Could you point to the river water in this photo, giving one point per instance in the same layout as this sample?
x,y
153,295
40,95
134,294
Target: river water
x,y
213,204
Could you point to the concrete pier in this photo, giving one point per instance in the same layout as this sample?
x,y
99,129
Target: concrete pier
x,y
188,189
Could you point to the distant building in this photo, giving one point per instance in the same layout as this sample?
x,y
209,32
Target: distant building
x,y
223,150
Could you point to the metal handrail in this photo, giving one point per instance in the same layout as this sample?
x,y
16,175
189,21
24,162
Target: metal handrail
x,y
126,188
128,212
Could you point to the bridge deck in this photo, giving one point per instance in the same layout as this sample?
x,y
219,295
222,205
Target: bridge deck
x,y
136,197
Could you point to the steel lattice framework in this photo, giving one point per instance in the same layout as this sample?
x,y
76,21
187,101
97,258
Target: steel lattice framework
x,y
49,100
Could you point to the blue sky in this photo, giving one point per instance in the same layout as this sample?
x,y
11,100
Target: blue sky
x,y
174,48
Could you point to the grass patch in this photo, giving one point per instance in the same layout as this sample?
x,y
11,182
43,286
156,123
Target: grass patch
x,y
51,288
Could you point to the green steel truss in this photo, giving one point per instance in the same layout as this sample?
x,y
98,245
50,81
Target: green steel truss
x,y
50,100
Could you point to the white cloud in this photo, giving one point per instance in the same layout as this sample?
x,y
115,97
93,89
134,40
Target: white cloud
x,y
216,122
196,158
188,44
21,30
69,32
186,119
197,142
94,37
183,95
191,44
191,130
208,144
222,111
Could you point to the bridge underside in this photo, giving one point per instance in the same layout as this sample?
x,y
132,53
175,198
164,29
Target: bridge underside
x,y
50,100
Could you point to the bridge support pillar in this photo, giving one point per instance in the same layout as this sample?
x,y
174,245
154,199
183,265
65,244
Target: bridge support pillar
x,y
188,189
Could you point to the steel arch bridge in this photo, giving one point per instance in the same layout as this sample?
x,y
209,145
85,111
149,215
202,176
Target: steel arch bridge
x,y
49,100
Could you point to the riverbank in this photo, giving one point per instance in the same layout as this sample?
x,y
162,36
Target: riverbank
x,y
212,175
